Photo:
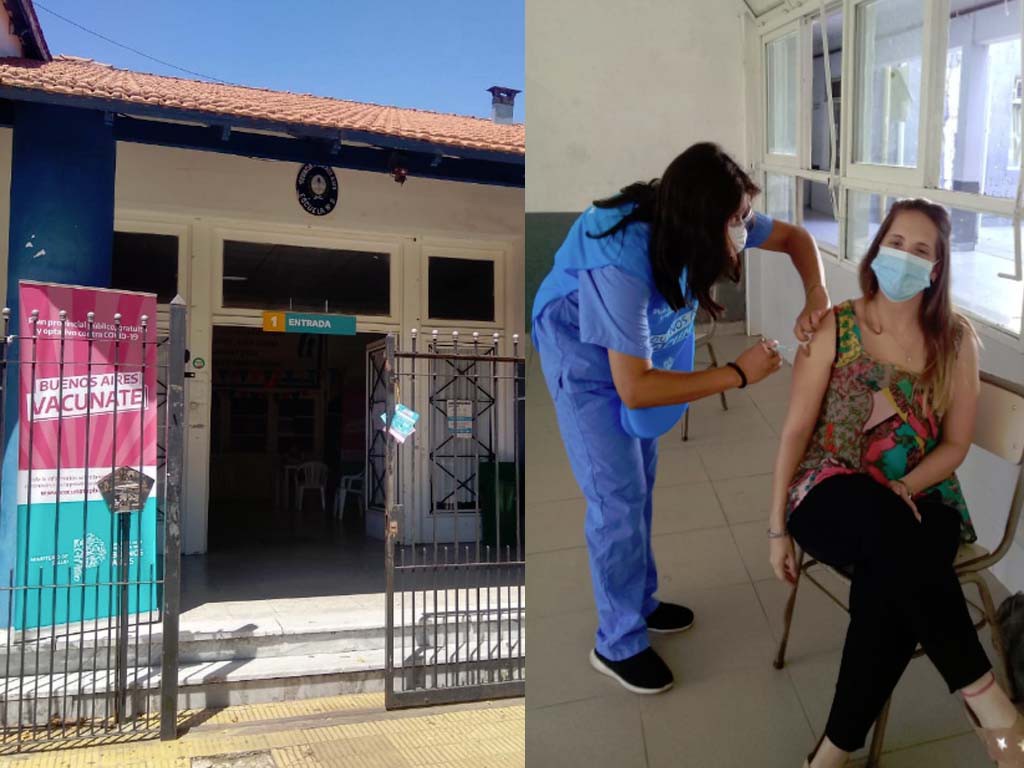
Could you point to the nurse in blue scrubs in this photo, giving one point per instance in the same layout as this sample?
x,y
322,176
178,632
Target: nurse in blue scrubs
x,y
613,324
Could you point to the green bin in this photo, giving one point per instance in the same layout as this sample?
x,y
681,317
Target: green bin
x,y
506,504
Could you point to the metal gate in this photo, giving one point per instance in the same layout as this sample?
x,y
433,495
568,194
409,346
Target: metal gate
x,y
376,469
87,633
454,548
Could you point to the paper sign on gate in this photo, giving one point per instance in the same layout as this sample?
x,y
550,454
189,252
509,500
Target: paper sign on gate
x,y
403,423
460,418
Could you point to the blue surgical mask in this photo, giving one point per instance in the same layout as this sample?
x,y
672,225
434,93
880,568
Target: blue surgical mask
x,y
901,275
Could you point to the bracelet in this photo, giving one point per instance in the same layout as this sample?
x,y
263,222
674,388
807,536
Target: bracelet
x,y
777,534
743,376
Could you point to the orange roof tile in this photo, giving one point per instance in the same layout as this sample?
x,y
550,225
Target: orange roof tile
x,y
84,78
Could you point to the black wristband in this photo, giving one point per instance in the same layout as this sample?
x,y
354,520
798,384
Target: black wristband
x,y
743,376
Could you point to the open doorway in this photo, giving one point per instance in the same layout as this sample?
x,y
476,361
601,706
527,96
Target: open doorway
x,y
288,435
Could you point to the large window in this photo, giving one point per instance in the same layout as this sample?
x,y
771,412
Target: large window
x,y
818,214
147,263
269,276
890,38
826,90
933,109
981,113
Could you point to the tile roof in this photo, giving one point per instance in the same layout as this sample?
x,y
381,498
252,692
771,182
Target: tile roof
x,y
84,78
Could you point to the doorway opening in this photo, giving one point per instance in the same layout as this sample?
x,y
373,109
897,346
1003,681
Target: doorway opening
x,y
288,437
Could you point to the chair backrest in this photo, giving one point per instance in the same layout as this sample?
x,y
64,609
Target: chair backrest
x,y
999,429
313,473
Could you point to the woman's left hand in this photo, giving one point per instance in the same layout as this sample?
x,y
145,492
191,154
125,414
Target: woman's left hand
x,y
817,306
900,489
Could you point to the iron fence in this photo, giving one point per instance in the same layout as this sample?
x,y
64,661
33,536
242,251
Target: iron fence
x,y
454,551
92,621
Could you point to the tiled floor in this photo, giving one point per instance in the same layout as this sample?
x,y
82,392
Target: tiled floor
x,y
729,707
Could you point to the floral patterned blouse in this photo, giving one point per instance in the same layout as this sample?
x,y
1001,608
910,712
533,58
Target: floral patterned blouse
x,y
872,422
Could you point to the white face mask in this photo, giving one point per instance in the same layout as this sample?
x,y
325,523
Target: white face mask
x,y
738,236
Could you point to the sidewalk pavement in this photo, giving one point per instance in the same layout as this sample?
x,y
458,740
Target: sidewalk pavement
x,y
334,732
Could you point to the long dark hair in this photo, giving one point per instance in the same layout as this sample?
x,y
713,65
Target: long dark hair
x,y
688,209
940,323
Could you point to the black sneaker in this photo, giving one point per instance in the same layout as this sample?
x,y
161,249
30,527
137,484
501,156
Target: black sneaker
x,y
668,618
644,673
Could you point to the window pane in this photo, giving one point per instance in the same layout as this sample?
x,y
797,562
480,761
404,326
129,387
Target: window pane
x,y
982,248
145,262
782,95
981,122
819,216
865,213
461,289
779,197
889,44
266,276
821,140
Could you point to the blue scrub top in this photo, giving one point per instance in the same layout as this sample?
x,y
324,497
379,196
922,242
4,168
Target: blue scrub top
x,y
609,310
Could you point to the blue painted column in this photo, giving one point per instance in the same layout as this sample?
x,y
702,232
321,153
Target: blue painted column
x,y
62,228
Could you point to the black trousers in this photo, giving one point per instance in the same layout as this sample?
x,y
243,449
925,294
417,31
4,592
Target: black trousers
x,y
904,592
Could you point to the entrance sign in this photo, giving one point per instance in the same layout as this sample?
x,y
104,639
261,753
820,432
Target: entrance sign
x,y
87,458
300,322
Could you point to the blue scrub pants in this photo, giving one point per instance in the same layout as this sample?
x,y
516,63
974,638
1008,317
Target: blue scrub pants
x,y
616,473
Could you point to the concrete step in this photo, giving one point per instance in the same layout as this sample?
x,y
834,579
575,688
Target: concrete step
x,y
36,700
226,632
239,653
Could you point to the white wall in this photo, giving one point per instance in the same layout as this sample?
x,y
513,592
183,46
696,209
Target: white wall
x,y
607,109
198,193
10,44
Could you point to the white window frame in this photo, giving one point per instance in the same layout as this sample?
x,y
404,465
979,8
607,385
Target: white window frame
x,y
304,237
922,180
469,252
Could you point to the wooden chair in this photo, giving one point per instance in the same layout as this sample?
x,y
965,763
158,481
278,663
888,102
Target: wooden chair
x,y
704,339
999,429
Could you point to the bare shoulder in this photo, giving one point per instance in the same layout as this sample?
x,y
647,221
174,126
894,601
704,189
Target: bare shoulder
x,y
967,345
823,345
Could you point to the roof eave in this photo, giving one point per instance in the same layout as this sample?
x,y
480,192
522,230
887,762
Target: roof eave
x,y
156,111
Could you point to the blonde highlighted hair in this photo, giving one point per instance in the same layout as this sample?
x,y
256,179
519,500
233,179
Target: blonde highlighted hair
x,y
944,329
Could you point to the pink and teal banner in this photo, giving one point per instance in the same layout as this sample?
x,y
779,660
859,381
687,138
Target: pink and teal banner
x,y
87,453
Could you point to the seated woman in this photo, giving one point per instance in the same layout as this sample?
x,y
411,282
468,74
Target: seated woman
x,y
881,414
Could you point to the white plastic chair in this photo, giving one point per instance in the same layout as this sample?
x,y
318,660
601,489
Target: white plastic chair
x,y
312,476
349,484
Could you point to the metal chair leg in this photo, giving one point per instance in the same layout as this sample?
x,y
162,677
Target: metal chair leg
x,y
780,657
714,362
878,738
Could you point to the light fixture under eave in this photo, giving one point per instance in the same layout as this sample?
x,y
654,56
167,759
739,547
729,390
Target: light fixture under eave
x,y
235,279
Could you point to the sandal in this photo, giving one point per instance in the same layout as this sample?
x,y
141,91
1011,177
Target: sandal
x,y
1005,745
